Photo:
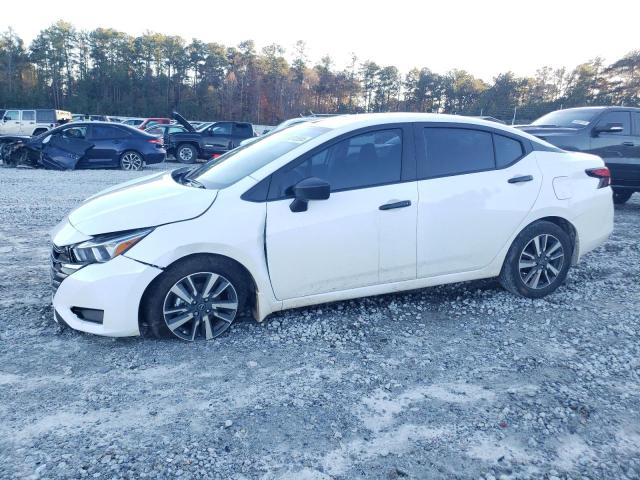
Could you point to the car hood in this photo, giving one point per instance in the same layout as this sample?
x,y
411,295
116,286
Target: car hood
x,y
182,121
146,202
539,131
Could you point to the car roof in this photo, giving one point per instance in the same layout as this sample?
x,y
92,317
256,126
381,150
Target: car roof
x,y
372,119
601,107
363,120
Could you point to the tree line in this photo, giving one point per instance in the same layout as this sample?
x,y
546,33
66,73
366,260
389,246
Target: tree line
x,y
105,71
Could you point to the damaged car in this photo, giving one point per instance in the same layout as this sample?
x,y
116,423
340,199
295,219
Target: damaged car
x,y
84,145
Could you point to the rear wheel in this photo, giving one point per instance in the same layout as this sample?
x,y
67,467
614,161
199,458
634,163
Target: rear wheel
x,y
538,261
131,161
621,196
198,298
186,153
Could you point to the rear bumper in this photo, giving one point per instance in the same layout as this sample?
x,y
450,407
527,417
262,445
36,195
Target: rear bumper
x,y
155,157
594,227
114,287
625,176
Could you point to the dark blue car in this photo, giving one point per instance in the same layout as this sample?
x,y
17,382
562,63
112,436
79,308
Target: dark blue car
x,y
96,145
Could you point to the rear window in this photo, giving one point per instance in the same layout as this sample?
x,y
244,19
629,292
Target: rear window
x,y
242,161
508,150
45,116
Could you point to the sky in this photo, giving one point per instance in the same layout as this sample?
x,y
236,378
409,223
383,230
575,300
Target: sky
x,y
484,37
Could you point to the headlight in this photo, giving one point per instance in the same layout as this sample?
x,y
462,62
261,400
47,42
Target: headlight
x,y
103,248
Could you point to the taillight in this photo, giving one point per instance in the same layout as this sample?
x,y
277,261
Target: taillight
x,y
602,173
155,140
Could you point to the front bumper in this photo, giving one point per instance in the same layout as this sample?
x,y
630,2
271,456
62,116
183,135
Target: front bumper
x,y
114,287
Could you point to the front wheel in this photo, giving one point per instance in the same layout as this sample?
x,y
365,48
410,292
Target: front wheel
x,y
538,261
199,297
186,153
131,161
621,196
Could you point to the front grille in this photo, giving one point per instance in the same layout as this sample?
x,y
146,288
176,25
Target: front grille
x,y
62,265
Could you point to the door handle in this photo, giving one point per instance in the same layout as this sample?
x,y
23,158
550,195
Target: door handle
x,y
521,179
392,205
628,144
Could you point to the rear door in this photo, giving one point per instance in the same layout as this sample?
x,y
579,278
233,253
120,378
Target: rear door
x,y
241,131
364,234
11,123
475,189
28,122
107,143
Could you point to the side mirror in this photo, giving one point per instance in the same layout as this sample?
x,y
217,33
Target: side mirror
x,y
4,119
608,128
311,188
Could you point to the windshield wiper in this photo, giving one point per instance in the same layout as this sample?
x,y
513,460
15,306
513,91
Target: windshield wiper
x,y
193,183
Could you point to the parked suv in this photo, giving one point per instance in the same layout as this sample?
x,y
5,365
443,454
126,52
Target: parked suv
x,y
32,122
612,133
207,141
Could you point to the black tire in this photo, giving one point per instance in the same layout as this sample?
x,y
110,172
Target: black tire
x,y
131,160
621,196
186,153
152,315
512,277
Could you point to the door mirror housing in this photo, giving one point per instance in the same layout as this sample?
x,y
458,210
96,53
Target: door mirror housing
x,y
5,119
311,188
608,128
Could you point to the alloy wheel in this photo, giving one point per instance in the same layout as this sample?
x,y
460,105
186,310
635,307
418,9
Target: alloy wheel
x,y
200,305
131,161
185,154
541,261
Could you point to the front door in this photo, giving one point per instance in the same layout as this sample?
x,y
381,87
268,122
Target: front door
x,y
11,123
364,234
218,137
472,200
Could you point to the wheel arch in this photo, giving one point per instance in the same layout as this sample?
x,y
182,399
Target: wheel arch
x,y
251,283
193,143
565,225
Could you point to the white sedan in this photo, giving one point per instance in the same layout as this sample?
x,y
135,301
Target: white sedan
x,y
328,210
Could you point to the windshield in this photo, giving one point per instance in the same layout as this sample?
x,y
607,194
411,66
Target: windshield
x,y
242,161
572,118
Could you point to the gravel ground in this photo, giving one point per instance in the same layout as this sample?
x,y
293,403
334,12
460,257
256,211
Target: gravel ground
x,y
459,381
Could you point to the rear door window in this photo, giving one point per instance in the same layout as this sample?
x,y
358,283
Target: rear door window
x,y
105,132
455,151
28,115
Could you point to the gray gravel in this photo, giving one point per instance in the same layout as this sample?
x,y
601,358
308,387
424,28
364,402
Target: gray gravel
x,y
459,381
